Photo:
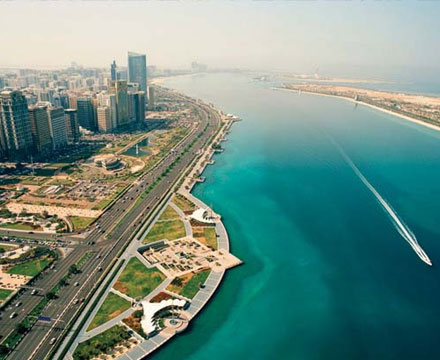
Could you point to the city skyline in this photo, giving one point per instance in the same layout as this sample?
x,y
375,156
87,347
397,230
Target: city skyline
x,y
311,38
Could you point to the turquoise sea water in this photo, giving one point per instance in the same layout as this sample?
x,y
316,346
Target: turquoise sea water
x,y
326,274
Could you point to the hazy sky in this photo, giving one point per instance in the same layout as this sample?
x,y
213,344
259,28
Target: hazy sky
x,y
289,35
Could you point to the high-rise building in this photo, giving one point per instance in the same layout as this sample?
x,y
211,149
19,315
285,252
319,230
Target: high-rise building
x,y
58,129
121,75
151,97
139,103
15,129
73,102
86,113
119,89
110,101
113,70
40,128
72,126
64,100
137,69
104,119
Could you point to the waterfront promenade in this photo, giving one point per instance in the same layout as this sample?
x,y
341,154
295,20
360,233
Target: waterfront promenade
x,y
146,346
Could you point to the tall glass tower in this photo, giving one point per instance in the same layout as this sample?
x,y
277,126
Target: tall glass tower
x,y
137,69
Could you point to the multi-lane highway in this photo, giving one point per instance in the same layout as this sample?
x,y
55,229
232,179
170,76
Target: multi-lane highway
x,y
113,230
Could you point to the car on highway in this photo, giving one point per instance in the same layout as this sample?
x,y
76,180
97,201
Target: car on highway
x,y
13,315
52,341
76,283
33,292
18,304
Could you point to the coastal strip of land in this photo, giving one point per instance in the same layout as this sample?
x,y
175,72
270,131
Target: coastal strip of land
x,y
116,306
419,109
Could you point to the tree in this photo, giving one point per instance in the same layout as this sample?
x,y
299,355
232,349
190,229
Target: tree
x,y
3,349
21,328
51,295
73,269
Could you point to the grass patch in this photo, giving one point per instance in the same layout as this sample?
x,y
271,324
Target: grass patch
x,y
137,280
18,226
112,306
170,230
189,284
206,235
32,180
183,203
83,259
169,214
80,222
5,248
103,343
31,268
102,204
4,293
65,182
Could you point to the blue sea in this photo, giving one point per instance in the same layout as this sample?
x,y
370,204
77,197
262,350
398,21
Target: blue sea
x,y
326,274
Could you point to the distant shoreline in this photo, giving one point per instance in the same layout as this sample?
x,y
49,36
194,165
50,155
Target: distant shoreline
x,y
160,79
405,117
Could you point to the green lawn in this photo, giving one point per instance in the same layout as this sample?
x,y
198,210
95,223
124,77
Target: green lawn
x,y
4,293
137,280
65,182
210,237
32,180
191,287
80,222
18,226
170,230
31,268
169,214
102,204
183,203
102,343
112,306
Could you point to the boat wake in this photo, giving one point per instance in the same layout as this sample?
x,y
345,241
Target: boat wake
x,y
400,225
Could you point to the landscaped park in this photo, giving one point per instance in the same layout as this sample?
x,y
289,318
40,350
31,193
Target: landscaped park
x,y
166,273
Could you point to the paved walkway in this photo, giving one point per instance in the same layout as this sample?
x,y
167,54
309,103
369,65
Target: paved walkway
x,y
122,295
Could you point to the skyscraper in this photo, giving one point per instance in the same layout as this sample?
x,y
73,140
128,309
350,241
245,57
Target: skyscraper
x,y
72,127
40,128
104,119
119,89
113,70
137,69
15,129
58,129
110,101
86,113
140,103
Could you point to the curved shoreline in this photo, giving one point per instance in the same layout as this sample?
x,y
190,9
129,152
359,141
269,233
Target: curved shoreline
x,y
214,279
405,117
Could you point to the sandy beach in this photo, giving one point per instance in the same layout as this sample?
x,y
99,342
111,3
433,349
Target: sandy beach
x,y
419,122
